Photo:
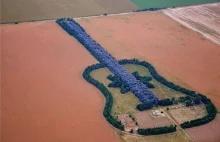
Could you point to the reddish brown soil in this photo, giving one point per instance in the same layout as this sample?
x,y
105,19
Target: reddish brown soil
x,y
175,51
44,97
206,133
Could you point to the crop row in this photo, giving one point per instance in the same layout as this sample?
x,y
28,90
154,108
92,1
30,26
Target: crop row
x,y
135,86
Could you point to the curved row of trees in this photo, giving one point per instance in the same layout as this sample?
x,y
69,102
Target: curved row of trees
x,y
109,103
210,107
211,110
209,117
105,92
135,86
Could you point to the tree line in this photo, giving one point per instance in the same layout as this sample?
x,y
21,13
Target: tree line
x,y
211,109
197,97
134,85
157,130
105,92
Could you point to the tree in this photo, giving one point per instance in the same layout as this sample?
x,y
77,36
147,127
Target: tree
x,y
197,100
173,99
188,103
142,107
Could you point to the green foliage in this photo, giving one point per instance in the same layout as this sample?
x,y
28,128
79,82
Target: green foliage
x,y
211,110
105,92
157,130
142,107
132,116
117,83
165,102
192,97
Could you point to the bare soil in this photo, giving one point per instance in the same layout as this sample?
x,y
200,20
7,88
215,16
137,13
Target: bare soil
x,y
44,97
206,133
178,53
26,10
204,19
146,120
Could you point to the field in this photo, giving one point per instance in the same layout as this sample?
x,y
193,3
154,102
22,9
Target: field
x,y
43,93
169,3
146,120
205,133
183,114
202,18
26,10
179,54
126,103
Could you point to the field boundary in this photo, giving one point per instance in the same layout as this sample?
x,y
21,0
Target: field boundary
x,y
88,78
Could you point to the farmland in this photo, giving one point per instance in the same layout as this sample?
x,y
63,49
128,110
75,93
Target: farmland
x,y
179,56
130,77
169,3
43,92
26,10
202,18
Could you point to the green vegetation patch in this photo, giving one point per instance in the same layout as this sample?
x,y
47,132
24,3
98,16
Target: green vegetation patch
x,y
169,3
109,111
127,103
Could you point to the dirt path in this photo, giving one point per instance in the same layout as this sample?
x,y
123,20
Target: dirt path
x,y
176,123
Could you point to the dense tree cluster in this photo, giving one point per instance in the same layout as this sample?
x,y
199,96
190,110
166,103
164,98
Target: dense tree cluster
x,y
165,102
135,86
192,97
144,79
117,83
105,92
190,101
157,130
142,107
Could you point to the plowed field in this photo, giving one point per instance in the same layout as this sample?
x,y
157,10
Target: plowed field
x,y
28,10
204,19
44,97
